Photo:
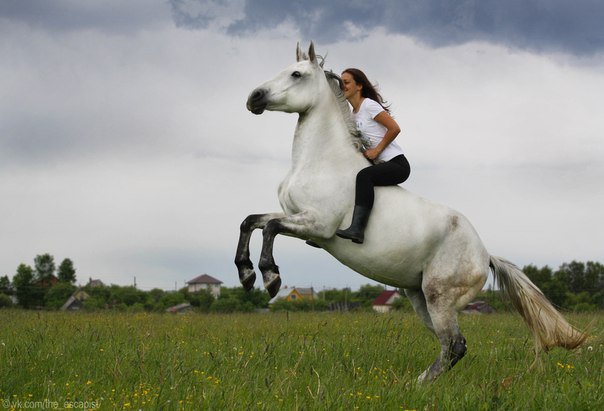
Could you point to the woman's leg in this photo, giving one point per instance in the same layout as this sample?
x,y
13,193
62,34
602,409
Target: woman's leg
x,y
391,172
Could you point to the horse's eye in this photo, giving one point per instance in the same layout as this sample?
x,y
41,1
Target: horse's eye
x,y
296,74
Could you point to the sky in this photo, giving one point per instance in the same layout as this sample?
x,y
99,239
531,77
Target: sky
x,y
125,144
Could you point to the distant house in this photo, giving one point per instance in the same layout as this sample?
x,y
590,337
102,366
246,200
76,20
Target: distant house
x,y
205,282
47,282
383,302
294,294
478,307
94,283
76,300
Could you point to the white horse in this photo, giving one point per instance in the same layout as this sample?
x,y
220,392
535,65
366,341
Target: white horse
x,y
429,250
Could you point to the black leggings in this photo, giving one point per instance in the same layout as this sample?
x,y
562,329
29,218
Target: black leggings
x,y
390,173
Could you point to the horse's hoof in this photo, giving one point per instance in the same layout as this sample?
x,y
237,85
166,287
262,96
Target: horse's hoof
x,y
273,285
248,279
429,375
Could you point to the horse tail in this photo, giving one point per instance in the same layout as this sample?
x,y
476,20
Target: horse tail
x,y
548,326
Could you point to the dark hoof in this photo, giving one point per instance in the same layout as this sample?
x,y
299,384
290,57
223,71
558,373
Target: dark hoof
x,y
248,278
273,286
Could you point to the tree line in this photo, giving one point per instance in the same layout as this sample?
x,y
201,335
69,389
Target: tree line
x,y
573,286
43,285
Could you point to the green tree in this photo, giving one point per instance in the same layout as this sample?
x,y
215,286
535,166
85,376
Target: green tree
x,y
402,304
127,295
539,276
299,305
155,295
367,293
58,295
229,305
5,287
594,276
556,291
598,299
573,275
101,296
336,296
94,304
171,299
580,302
45,267
23,281
256,297
201,299
153,300
5,301
67,273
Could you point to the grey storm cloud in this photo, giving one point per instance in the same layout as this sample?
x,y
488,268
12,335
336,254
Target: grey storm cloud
x,y
113,16
573,27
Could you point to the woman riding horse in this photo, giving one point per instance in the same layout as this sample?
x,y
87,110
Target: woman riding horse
x,y
390,166
429,250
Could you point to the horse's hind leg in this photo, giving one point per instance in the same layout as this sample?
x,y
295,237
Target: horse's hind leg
x,y
452,342
418,301
247,275
445,296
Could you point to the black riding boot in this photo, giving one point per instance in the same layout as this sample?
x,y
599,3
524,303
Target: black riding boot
x,y
356,231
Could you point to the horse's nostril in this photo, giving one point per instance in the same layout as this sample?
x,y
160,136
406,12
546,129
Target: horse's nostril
x,y
257,95
256,102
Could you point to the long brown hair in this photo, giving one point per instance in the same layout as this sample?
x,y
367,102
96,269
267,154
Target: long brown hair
x,y
368,90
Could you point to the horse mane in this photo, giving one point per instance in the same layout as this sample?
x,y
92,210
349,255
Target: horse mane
x,y
336,86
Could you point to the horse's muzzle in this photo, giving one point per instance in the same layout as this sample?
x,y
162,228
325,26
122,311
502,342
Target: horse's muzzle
x,y
257,101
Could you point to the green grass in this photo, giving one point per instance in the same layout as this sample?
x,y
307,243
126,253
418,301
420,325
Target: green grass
x,y
307,361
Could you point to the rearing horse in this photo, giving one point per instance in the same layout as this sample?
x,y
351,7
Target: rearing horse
x,y
429,250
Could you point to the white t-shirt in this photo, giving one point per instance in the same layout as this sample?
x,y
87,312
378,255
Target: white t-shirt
x,y
374,131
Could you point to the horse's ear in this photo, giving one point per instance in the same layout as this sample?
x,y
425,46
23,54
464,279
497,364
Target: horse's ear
x,y
311,53
299,55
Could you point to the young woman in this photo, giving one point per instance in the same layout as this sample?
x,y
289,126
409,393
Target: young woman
x,y
390,166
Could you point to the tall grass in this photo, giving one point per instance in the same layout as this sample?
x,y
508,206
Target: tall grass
x,y
309,361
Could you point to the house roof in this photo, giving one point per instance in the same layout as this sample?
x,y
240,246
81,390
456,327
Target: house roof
x,y
384,297
95,283
204,279
284,292
77,297
51,279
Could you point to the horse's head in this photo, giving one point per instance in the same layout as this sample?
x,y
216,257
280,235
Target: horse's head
x,y
294,90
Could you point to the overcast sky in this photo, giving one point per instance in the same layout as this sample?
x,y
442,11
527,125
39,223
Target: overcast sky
x,y
125,144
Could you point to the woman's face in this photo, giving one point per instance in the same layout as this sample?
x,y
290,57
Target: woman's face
x,y
350,86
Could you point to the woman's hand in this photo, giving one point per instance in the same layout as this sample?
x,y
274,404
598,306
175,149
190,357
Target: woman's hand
x,y
392,130
371,153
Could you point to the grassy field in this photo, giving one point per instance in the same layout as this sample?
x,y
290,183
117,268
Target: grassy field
x,y
306,361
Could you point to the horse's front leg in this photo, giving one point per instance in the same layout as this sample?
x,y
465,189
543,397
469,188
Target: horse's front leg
x,y
247,275
303,225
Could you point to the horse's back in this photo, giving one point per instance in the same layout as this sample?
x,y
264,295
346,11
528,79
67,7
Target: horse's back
x,y
404,235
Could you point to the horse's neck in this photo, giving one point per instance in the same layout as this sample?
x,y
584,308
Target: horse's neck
x,y
322,137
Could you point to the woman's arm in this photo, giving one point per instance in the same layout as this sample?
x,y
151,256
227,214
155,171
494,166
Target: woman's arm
x,y
392,130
